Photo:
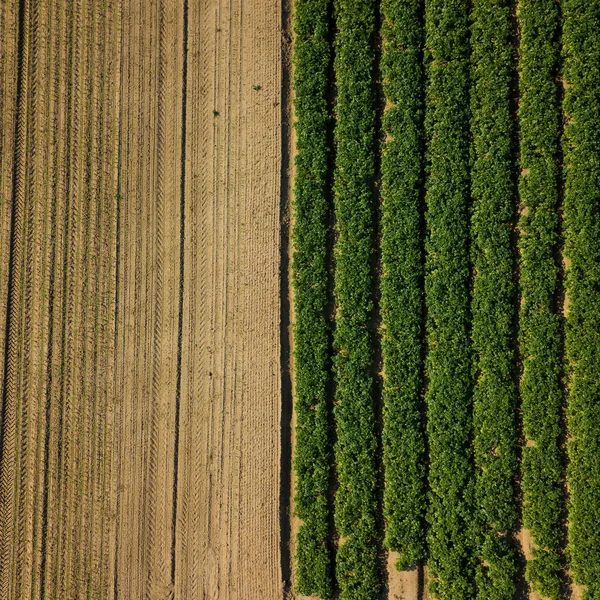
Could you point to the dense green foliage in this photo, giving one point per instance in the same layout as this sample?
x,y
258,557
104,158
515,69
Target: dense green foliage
x,y
401,279
448,363
356,500
581,46
494,392
539,321
448,136
312,55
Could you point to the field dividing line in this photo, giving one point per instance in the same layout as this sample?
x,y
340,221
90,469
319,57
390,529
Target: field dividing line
x,y
111,416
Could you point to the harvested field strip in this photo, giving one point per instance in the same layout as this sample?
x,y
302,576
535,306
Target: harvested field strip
x,y
539,319
310,233
229,455
581,50
402,279
140,424
151,294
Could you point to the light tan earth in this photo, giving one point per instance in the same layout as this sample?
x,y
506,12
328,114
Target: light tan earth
x,y
139,285
402,585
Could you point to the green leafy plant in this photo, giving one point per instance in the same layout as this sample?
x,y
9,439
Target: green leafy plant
x,y
448,362
356,498
312,56
581,48
402,279
539,321
493,296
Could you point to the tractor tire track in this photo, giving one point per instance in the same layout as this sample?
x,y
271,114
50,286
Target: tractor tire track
x,y
11,390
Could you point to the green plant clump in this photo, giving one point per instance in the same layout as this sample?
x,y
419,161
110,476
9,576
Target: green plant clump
x,y
493,296
539,321
448,362
402,279
356,499
312,56
581,47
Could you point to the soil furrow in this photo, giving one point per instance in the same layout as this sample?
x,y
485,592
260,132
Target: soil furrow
x,y
90,275
9,30
11,389
76,213
141,398
60,129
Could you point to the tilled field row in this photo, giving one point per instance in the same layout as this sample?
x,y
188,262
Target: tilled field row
x,y
139,294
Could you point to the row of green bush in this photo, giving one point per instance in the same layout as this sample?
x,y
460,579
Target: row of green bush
x,y
402,278
581,47
356,498
539,321
449,361
470,346
313,446
493,193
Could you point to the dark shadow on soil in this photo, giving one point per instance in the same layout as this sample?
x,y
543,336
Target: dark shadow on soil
x,y
285,490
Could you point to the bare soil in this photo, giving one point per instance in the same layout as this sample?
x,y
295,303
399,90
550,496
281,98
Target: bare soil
x,y
402,585
140,175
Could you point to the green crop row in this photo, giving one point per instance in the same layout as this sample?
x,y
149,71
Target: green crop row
x,y
449,361
401,279
493,296
356,499
539,322
312,56
581,47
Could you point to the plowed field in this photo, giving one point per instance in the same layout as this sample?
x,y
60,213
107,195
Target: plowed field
x,y
139,294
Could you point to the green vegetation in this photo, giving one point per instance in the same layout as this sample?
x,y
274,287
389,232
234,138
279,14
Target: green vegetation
x,y
450,313
356,501
494,392
401,279
539,320
448,364
581,46
312,55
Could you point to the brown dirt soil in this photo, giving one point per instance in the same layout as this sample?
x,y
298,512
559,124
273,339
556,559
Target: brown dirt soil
x,y
8,98
139,298
402,585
